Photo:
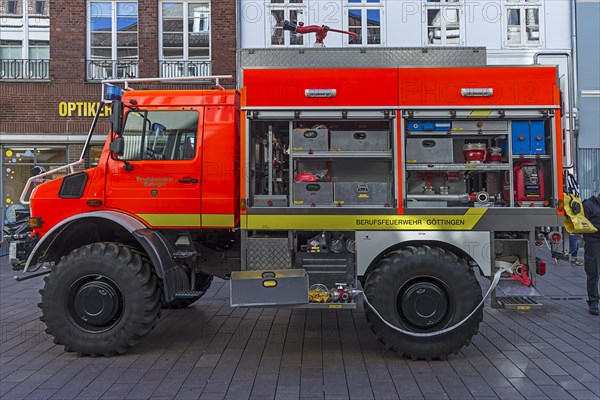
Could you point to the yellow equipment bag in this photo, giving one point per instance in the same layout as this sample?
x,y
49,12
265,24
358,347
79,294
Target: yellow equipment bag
x,y
575,220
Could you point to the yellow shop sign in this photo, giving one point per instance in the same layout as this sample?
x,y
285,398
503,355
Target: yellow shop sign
x,y
81,109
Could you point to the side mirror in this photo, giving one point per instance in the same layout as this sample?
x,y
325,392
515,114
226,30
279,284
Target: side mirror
x,y
116,117
117,146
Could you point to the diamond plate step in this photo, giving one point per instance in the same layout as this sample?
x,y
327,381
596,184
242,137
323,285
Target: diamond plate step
x,y
518,303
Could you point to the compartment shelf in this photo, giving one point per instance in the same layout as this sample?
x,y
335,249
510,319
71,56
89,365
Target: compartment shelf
x,y
342,154
458,167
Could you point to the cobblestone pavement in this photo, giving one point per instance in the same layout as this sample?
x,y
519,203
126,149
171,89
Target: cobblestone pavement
x,y
211,351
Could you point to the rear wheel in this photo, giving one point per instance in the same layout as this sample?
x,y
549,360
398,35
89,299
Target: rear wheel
x,y
423,289
100,299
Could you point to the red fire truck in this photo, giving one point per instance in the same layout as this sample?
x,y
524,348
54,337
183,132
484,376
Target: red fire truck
x,y
308,187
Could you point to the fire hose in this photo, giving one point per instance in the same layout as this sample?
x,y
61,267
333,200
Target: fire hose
x,y
502,267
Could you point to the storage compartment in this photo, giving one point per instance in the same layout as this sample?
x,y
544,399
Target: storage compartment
x,y
268,251
361,193
520,137
268,288
368,140
483,126
428,126
313,193
304,139
327,268
536,137
430,150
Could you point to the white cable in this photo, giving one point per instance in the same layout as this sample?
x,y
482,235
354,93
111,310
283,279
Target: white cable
x,y
451,328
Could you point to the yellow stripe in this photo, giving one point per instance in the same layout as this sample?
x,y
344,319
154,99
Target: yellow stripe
x,y
189,220
466,221
224,220
171,219
480,113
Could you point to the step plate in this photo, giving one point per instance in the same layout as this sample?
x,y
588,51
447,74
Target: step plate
x,y
518,303
188,294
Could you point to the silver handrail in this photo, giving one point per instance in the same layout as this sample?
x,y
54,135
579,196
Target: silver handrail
x,y
570,96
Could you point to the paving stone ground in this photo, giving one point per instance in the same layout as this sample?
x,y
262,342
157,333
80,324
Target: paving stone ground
x,y
211,351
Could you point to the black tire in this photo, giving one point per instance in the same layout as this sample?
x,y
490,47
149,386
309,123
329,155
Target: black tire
x,y
423,289
203,282
100,299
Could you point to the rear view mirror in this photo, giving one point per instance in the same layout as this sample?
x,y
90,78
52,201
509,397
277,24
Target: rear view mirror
x,y
117,146
116,117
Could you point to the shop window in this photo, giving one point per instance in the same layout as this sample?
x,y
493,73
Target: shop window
x,y
18,163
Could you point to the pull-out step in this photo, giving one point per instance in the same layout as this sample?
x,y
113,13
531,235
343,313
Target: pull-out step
x,y
188,294
268,287
518,303
514,295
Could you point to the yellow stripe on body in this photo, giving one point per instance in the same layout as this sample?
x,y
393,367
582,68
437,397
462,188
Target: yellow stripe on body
x,y
480,113
189,220
218,220
463,222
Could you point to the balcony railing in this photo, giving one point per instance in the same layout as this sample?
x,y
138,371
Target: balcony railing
x,y
25,69
173,69
111,69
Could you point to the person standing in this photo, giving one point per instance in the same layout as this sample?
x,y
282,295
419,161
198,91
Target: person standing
x,y
573,249
591,256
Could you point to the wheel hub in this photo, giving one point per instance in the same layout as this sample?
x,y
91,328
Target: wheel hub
x,y
423,304
96,303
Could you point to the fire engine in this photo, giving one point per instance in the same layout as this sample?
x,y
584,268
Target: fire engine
x,y
308,187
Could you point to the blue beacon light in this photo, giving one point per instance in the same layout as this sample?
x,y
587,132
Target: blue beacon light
x,y
113,93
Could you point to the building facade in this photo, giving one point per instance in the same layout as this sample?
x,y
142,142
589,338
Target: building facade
x,y
53,55
588,96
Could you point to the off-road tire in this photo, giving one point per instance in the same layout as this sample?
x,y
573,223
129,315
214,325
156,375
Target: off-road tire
x,y
203,282
110,282
445,280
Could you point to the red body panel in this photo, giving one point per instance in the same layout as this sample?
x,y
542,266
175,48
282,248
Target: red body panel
x,y
354,87
512,86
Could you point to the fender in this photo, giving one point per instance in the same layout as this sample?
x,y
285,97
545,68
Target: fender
x,y
155,245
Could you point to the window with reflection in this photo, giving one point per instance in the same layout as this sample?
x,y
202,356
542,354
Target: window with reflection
x,y
364,18
160,135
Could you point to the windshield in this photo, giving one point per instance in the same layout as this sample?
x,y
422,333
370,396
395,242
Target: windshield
x,y
160,135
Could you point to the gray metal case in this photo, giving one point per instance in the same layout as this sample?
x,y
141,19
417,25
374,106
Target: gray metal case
x,y
360,140
361,193
313,193
429,150
271,287
310,139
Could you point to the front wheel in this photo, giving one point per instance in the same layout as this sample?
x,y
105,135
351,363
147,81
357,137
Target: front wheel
x,y
100,299
423,289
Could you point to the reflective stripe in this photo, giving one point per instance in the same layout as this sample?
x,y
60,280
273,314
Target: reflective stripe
x,y
463,222
224,220
189,220
183,220
480,113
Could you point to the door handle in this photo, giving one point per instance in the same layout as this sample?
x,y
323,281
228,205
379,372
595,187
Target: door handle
x,y
189,180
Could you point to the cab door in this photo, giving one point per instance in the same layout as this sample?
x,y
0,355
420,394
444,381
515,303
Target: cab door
x,y
158,177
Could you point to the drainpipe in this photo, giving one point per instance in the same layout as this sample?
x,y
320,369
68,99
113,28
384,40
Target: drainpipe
x,y
573,9
238,44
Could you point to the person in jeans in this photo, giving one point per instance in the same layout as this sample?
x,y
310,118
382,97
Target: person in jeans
x,y
591,254
573,249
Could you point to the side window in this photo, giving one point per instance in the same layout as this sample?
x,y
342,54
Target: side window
x,y
160,135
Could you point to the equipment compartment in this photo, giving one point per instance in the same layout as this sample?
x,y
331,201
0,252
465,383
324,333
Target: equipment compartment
x,y
361,193
310,139
360,140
